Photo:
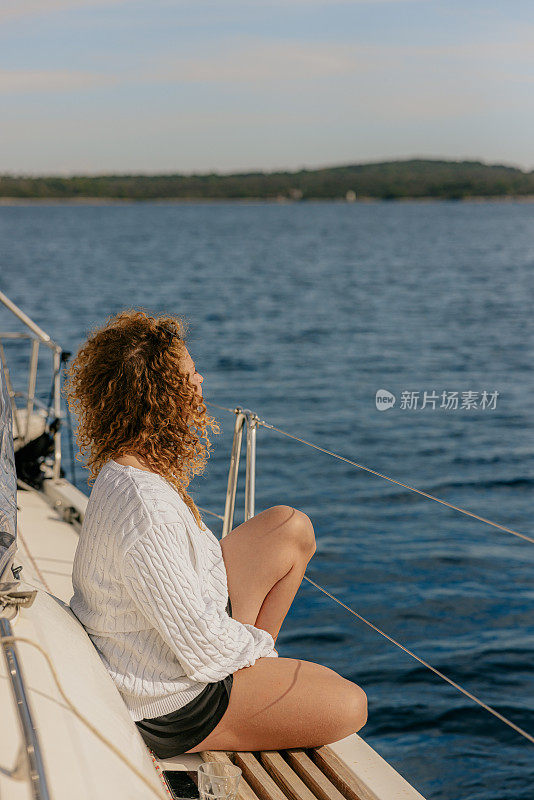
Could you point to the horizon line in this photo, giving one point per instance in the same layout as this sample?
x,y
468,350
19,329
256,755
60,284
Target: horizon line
x,y
250,171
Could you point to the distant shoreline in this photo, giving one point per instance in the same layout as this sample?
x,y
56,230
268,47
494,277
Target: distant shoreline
x,y
112,201
413,180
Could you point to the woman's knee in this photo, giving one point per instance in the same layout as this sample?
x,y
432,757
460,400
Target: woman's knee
x,y
353,716
298,527
349,701
284,703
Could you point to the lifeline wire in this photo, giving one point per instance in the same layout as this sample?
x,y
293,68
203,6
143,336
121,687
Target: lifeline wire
x,y
481,703
380,475
429,666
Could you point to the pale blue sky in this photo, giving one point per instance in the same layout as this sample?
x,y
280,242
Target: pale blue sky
x,y
93,86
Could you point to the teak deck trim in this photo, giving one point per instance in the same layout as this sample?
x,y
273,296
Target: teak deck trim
x,y
292,774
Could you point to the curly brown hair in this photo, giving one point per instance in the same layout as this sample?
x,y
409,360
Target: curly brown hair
x,y
128,386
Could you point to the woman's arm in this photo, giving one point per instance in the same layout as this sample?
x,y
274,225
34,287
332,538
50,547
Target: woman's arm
x,y
163,583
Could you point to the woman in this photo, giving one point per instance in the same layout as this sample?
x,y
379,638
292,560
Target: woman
x,y
186,624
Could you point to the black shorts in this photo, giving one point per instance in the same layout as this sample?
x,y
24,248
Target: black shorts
x,y
175,733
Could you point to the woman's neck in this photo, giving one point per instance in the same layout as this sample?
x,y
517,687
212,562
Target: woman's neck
x,y
131,460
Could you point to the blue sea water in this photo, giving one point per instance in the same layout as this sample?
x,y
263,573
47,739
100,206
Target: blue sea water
x,y
302,312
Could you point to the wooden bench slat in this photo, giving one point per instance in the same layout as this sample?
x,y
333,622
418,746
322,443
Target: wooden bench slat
x,y
341,776
312,776
285,777
245,792
257,777
220,756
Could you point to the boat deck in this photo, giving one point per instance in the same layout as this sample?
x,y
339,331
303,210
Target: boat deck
x,y
346,770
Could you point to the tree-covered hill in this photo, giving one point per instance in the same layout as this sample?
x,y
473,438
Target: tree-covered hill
x,y
385,180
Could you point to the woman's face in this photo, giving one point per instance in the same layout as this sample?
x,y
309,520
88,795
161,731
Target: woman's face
x,y
194,376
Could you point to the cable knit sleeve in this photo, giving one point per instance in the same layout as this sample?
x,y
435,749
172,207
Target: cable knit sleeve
x,y
162,581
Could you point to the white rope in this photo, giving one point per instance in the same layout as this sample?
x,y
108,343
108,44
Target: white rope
x,y
107,742
380,475
429,666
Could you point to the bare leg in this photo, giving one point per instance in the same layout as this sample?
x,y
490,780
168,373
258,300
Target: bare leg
x,y
279,702
265,560
278,601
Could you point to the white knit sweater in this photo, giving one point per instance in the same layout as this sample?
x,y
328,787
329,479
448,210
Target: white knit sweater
x,y
150,588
